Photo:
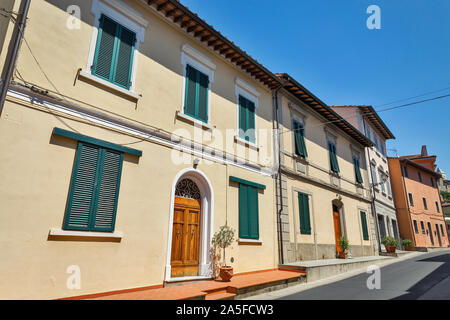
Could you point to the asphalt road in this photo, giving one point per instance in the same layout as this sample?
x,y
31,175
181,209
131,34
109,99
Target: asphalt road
x,y
426,276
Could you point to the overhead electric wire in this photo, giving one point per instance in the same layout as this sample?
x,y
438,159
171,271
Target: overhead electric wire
x,y
406,99
378,111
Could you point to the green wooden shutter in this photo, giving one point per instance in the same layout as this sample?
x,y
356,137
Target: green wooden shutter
x,y
82,189
94,189
203,84
108,191
250,136
191,91
114,51
243,211
124,57
248,212
242,117
364,225
196,95
300,146
333,157
303,205
105,49
247,119
357,170
253,212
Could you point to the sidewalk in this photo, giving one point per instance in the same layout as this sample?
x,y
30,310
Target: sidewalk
x,y
240,285
384,261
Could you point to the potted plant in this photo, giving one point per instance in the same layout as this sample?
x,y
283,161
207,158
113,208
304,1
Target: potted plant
x,y
344,246
390,243
223,239
408,244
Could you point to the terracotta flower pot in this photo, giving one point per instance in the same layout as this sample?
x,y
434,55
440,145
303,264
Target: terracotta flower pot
x,y
390,249
409,248
226,273
343,255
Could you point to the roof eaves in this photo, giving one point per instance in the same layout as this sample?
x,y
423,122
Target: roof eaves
x,y
419,166
225,48
339,121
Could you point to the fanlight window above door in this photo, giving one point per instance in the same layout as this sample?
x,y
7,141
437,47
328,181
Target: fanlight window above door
x,y
187,188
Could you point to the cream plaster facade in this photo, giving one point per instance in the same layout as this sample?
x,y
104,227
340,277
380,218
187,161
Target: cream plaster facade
x,y
313,176
379,177
36,171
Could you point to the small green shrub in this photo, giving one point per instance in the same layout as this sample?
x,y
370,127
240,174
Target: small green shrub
x,y
389,241
345,245
445,195
223,239
407,243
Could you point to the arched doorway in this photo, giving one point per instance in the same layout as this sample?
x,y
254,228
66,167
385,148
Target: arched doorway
x,y
190,226
186,230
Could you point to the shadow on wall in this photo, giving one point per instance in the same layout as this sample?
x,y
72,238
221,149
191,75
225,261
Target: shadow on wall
x,y
432,279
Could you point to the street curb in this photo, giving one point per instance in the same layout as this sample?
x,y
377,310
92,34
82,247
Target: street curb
x,y
306,286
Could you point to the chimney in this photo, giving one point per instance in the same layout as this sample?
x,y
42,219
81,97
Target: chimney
x,y
424,151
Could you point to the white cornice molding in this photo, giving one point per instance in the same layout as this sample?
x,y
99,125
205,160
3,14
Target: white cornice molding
x,y
297,110
193,53
124,127
122,13
247,87
331,133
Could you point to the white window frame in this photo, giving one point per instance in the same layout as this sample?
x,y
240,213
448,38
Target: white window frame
x,y
373,170
127,17
243,88
382,183
356,153
300,117
332,137
388,185
202,63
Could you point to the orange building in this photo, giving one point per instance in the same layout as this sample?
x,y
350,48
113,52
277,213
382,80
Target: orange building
x,y
416,196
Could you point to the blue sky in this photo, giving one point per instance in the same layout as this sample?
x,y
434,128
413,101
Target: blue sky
x,y
327,47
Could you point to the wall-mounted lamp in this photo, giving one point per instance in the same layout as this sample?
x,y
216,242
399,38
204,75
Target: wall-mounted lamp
x,y
196,162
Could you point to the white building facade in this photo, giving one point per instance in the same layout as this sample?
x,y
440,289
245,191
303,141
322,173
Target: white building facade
x,y
367,121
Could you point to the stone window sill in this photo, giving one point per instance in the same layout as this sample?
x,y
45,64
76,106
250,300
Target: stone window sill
x,y
246,143
184,117
108,85
249,242
69,235
300,158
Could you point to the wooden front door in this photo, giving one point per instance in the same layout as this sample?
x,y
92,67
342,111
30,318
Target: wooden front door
x,y
185,237
337,229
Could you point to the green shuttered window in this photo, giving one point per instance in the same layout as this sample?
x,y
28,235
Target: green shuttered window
x,y
303,205
246,119
196,95
333,158
94,189
248,212
364,225
114,52
357,170
299,136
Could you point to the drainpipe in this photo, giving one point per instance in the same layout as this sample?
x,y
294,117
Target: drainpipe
x,y
16,38
280,235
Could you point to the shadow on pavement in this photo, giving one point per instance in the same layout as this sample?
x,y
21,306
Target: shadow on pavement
x,y
424,285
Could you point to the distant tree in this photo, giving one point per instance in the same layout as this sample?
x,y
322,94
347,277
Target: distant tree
x,y
445,195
